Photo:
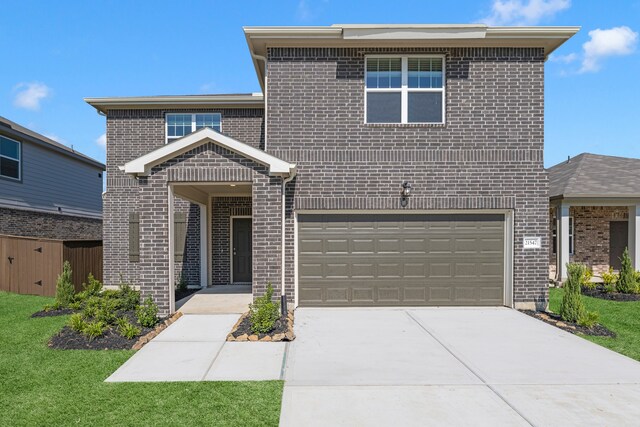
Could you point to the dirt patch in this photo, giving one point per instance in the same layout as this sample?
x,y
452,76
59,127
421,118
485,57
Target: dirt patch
x,y
600,292
555,320
282,331
68,339
49,313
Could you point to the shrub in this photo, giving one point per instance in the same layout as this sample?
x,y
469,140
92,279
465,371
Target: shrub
x,y
609,278
93,330
106,312
626,280
64,287
126,329
586,279
92,306
589,319
77,322
128,298
181,285
147,313
263,313
92,287
572,308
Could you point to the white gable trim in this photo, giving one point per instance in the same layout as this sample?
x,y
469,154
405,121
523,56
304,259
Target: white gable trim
x,y
142,165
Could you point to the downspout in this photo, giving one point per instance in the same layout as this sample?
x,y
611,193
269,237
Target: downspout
x,y
283,294
264,94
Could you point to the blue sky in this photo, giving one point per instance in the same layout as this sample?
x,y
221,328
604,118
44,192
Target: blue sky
x,y
56,53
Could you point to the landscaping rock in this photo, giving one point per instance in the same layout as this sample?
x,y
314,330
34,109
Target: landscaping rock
x,y
277,337
289,336
253,338
265,338
561,324
243,337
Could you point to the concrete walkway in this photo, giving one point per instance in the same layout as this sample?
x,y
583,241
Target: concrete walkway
x,y
223,299
458,366
194,349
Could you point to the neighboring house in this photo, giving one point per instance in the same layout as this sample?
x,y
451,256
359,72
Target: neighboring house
x,y
411,157
47,189
594,213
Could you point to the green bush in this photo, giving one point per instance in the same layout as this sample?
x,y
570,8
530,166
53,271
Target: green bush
x,y
586,279
181,285
106,312
92,287
263,313
626,280
128,297
609,278
93,330
91,306
147,313
64,287
589,319
572,308
127,330
77,322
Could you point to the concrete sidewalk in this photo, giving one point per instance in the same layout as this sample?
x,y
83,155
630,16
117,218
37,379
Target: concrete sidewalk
x,y
451,366
194,349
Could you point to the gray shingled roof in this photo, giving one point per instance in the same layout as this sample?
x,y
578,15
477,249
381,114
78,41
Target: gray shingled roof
x,y
47,142
595,175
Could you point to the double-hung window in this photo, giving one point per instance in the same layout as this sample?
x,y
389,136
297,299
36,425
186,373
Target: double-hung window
x,y
405,89
9,158
179,125
554,235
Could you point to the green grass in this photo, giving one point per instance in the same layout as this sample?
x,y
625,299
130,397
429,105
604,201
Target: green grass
x,y
623,318
40,386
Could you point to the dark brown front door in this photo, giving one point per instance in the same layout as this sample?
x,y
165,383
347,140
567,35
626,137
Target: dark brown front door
x,y
618,240
241,246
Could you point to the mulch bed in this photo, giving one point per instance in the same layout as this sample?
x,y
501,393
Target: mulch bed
x,y
183,293
599,292
282,331
555,320
60,312
68,339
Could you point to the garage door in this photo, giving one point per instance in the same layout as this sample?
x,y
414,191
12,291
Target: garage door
x,y
400,259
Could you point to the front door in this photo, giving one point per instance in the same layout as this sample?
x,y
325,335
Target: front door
x,y
618,241
241,247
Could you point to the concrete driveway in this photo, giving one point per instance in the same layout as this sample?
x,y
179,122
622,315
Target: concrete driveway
x,y
451,366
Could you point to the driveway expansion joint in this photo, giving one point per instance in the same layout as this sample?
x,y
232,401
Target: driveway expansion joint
x,y
476,374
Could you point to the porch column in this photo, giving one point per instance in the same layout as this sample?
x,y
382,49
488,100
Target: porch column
x,y
170,216
562,233
634,235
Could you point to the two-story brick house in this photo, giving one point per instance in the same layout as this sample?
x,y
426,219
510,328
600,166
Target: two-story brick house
x,y
385,165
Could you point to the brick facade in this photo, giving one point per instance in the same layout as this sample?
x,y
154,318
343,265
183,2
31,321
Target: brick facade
x,y
488,155
591,235
17,222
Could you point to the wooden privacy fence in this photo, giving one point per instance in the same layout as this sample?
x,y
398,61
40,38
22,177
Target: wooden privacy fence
x,y
32,265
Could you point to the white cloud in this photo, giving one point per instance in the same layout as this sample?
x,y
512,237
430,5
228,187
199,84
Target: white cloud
x,y
522,12
102,140
55,137
303,12
30,95
617,41
565,59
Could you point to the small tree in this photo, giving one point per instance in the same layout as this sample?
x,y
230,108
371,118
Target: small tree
x,y
64,287
263,313
572,308
626,280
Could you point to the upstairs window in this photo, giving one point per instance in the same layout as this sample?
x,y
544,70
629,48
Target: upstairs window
x,y
9,158
179,125
404,89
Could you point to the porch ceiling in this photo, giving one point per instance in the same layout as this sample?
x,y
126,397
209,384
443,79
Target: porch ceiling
x,y
200,192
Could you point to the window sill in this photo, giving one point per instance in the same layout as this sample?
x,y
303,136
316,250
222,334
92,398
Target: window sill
x,y
406,125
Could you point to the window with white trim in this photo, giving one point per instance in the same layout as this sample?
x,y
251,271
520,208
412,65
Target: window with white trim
x,y
179,125
9,158
404,89
554,234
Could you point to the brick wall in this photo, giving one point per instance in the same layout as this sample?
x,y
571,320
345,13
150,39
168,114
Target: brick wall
x,y
17,222
131,134
488,155
591,235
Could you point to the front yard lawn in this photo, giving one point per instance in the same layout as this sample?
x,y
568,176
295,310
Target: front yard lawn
x,y
41,386
623,318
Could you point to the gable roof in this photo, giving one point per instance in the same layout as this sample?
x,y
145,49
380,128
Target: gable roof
x,y
401,35
595,175
142,165
13,129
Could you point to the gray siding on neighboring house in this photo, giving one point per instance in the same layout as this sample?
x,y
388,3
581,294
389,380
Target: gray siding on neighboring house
x,y
488,155
131,134
51,180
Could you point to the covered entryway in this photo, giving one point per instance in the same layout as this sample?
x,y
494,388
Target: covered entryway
x,y
401,259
